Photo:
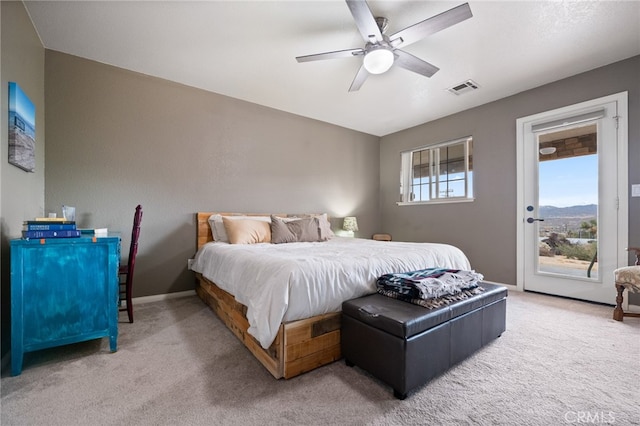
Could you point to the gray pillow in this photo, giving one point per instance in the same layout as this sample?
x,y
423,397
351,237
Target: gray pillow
x,y
324,227
306,230
280,232
299,230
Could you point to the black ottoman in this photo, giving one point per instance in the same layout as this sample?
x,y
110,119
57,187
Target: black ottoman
x,y
406,345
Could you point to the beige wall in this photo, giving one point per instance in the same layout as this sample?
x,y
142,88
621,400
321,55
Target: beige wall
x,y
116,138
486,228
21,193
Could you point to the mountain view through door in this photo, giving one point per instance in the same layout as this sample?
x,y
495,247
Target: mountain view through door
x,y
568,202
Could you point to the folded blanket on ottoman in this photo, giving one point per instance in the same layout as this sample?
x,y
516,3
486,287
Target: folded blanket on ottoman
x,y
431,287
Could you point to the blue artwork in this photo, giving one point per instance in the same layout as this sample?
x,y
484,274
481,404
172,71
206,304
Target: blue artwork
x,y
22,129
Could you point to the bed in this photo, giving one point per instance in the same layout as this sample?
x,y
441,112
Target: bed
x,y
283,300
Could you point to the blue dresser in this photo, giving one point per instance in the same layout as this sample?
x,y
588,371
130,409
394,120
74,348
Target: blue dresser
x,y
63,290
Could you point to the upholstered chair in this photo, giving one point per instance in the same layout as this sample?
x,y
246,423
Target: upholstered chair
x,y
627,278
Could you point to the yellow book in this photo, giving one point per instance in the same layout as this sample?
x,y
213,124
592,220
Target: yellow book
x,y
51,219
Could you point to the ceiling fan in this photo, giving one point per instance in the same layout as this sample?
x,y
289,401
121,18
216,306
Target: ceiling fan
x,y
382,51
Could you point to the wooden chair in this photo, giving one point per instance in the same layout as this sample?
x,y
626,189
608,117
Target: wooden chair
x,y
125,272
627,278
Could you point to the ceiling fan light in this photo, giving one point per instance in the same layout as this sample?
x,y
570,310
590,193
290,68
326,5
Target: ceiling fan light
x,y
378,60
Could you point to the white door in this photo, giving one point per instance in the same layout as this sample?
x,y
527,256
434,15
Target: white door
x,y
572,199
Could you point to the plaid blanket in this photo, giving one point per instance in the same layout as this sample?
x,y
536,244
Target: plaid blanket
x,y
428,283
435,302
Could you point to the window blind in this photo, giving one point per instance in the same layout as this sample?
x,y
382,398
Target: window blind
x,y
568,121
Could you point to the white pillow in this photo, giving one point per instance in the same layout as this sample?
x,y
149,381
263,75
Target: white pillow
x,y
217,226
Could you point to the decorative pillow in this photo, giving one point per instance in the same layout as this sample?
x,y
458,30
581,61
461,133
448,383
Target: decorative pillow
x,y
307,230
325,226
280,232
299,230
217,226
247,231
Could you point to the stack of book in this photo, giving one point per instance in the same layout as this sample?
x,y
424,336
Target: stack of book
x,y
47,227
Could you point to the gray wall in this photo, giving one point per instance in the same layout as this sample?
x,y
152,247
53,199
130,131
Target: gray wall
x,y
486,228
116,138
22,193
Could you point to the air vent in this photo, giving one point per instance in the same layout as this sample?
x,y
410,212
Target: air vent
x,y
463,87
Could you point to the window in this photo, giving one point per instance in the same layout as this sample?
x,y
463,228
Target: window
x,y
437,173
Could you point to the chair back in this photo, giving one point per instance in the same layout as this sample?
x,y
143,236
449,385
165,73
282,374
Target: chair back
x,y
133,249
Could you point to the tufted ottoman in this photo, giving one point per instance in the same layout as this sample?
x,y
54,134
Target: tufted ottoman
x,y
406,345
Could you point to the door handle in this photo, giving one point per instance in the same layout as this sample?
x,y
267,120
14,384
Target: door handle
x,y
531,220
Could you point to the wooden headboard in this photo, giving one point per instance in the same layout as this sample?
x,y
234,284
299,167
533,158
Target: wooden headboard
x,y
203,231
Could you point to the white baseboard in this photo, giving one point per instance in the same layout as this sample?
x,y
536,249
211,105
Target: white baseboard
x,y
159,297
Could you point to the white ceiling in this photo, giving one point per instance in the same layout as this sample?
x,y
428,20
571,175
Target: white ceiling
x,y
247,50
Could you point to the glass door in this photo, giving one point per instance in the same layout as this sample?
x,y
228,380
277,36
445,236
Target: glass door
x,y
572,229
567,226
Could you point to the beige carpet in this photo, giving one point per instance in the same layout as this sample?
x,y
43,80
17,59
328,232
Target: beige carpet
x,y
559,362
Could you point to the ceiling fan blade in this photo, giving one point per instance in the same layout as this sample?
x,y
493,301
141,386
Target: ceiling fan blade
x,y
431,25
358,81
349,53
412,63
365,21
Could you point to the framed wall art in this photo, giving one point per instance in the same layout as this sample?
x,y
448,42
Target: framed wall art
x,y
22,129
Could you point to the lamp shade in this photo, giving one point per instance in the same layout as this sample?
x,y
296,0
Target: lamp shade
x,y
379,60
350,223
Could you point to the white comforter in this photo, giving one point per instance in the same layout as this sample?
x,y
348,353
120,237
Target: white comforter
x,y
286,282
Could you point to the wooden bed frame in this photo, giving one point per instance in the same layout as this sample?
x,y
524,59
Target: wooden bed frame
x,y
299,346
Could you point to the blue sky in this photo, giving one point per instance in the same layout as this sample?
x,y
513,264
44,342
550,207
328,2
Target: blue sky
x,y
569,182
22,105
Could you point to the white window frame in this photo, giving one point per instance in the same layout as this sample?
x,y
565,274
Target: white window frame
x,y
406,174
